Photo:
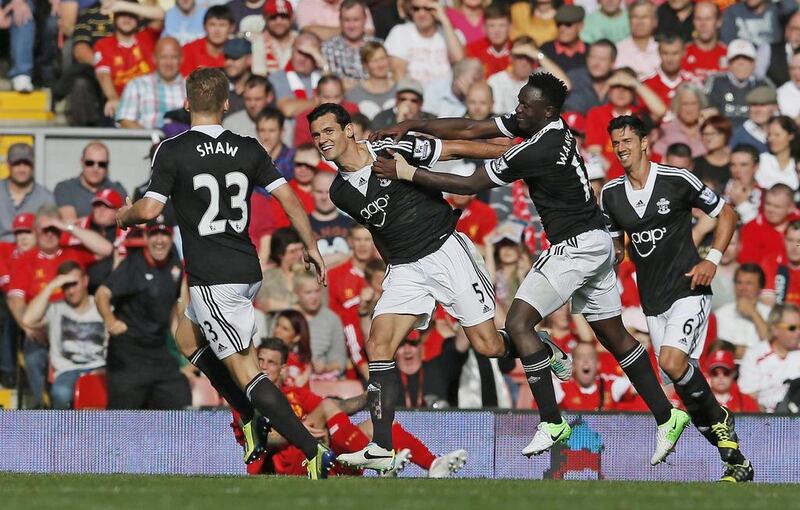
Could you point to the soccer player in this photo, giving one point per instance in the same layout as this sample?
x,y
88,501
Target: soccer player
x,y
578,265
428,261
209,174
652,204
326,415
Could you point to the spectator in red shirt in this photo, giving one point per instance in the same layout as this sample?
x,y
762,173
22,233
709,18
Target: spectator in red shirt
x,y
25,240
669,76
477,218
218,23
33,271
587,390
705,55
306,165
494,50
345,283
722,379
763,237
623,88
127,53
327,417
782,272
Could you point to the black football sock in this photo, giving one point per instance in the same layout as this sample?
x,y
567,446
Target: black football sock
x,y
537,371
636,364
221,379
382,394
702,406
268,399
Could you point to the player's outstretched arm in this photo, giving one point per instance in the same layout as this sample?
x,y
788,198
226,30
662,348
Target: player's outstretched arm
x,y
704,271
446,129
399,169
144,210
465,149
299,219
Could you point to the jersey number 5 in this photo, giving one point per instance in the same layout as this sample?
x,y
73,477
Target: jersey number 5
x,y
208,223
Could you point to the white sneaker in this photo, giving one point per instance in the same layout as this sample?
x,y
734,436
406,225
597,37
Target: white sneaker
x,y
448,464
560,362
547,434
371,456
401,458
22,83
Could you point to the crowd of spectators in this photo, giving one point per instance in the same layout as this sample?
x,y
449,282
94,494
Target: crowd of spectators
x,y
717,82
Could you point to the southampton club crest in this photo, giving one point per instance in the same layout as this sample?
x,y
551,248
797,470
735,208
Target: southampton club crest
x,y
384,182
663,206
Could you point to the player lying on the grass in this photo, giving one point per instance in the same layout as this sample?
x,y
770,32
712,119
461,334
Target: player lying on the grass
x,y
327,419
209,174
427,260
653,204
579,264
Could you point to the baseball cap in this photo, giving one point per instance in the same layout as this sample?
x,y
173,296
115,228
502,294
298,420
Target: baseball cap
x,y
23,222
275,7
575,121
158,225
741,48
108,197
721,359
409,85
20,152
762,95
570,14
237,48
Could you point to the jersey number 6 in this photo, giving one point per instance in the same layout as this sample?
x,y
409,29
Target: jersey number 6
x,y
208,223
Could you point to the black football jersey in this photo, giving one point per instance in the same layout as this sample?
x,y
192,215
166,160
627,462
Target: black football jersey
x,y
553,169
658,220
209,174
407,222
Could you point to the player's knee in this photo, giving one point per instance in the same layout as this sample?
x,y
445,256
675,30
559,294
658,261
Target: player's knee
x,y
517,326
673,366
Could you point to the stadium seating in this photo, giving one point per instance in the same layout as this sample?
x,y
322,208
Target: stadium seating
x,y
91,392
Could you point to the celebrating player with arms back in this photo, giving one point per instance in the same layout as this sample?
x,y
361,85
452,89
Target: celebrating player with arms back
x,y
578,265
428,262
653,204
209,174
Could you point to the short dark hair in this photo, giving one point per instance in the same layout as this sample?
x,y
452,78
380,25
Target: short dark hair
x,y
628,121
782,188
349,4
222,12
496,10
69,266
300,327
281,239
608,43
274,344
553,89
788,124
754,269
207,90
271,113
329,78
338,111
747,149
258,81
678,149
669,38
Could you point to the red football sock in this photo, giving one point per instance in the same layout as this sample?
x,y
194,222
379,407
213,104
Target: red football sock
x,y
420,455
345,437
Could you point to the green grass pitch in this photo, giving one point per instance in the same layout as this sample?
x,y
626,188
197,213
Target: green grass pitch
x,y
112,492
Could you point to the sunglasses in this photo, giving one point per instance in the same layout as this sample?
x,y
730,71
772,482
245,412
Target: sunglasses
x,y
68,285
789,327
416,8
91,162
721,371
51,230
565,24
279,16
298,164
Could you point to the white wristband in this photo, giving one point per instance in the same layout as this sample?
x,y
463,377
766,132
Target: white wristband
x,y
714,256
